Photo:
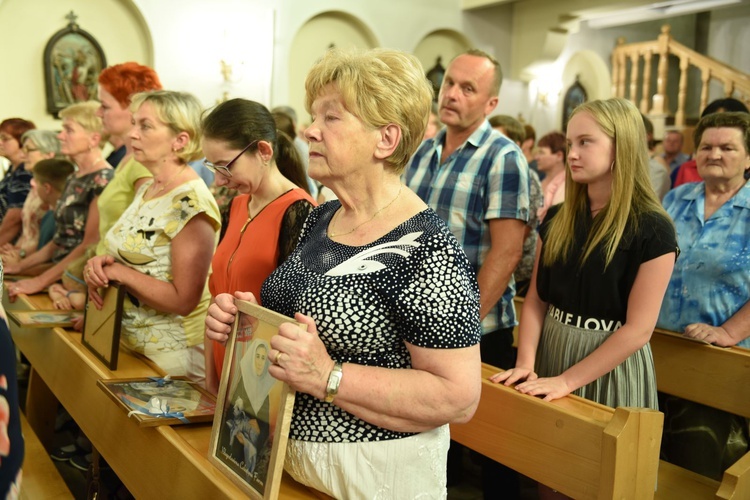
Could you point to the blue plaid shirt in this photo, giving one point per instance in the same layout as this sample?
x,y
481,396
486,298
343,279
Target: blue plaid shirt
x,y
486,178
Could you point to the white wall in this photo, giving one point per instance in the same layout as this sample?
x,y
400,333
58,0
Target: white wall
x,y
27,26
394,23
191,37
729,36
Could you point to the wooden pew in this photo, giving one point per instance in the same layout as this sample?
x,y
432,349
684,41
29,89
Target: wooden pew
x,y
578,447
710,375
41,479
713,376
152,462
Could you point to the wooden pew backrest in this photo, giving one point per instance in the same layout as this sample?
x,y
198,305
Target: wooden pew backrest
x,y
580,448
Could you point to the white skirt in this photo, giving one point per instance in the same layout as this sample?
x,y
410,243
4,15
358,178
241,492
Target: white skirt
x,y
407,468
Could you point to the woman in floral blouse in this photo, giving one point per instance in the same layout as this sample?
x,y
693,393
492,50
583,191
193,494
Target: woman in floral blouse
x,y
161,247
76,214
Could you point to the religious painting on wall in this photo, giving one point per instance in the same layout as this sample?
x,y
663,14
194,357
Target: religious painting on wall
x,y
253,409
73,60
435,76
575,96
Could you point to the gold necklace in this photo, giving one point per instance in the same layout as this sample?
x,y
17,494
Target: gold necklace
x,y
332,234
163,185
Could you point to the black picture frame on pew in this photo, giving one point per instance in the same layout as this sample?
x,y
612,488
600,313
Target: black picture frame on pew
x,y
72,62
253,410
101,327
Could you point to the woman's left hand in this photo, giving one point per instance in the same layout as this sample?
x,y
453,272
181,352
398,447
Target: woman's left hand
x,y
299,357
28,287
712,334
551,388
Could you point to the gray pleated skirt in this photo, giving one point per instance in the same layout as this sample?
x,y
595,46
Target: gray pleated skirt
x,y
631,384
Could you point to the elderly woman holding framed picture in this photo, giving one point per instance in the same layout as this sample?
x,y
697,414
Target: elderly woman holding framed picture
x,y
389,299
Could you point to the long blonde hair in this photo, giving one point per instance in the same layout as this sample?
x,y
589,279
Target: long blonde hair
x,y
632,193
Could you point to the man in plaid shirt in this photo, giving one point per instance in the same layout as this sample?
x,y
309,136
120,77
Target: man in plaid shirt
x,y
477,180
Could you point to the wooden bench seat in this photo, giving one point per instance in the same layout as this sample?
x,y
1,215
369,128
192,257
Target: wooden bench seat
x,y
713,376
578,447
41,479
152,462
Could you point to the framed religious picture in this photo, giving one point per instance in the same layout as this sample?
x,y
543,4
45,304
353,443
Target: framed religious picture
x,y
253,410
161,401
574,96
37,318
73,60
435,76
101,327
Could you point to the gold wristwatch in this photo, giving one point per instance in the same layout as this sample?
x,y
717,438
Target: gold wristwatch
x,y
334,380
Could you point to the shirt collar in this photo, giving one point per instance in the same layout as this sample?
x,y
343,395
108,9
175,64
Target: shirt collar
x,y
741,199
475,139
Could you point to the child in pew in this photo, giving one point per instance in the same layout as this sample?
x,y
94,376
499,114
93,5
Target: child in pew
x,y
49,180
602,267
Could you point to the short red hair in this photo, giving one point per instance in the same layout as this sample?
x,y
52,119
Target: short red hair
x,y
16,127
124,80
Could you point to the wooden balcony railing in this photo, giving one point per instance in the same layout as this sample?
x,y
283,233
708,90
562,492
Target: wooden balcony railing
x,y
735,83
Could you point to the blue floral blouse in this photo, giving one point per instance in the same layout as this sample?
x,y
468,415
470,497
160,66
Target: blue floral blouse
x,y
711,278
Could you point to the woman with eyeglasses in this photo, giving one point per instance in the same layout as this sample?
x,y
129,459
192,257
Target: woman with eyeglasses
x,y
160,249
17,181
246,151
76,213
37,145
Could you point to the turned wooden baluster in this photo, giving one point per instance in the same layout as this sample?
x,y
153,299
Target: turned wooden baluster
x,y
660,99
621,65
706,82
646,91
616,69
728,88
634,73
679,119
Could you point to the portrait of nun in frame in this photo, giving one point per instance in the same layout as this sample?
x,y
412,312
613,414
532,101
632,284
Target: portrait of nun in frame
x,y
253,410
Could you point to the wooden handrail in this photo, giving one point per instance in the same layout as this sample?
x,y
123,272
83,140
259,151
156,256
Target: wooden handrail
x,y
735,83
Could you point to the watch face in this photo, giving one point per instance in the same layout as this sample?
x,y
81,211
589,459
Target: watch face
x,y
334,379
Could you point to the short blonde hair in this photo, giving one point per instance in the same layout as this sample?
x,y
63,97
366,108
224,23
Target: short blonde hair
x,y
84,114
181,112
379,87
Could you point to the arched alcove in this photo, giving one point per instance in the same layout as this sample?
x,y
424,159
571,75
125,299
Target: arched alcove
x,y
318,34
592,74
443,43
143,31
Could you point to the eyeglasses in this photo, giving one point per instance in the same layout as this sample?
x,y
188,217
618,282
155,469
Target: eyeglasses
x,y
224,169
28,150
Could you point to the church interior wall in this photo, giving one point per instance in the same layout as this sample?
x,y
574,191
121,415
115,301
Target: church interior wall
x,y
186,41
